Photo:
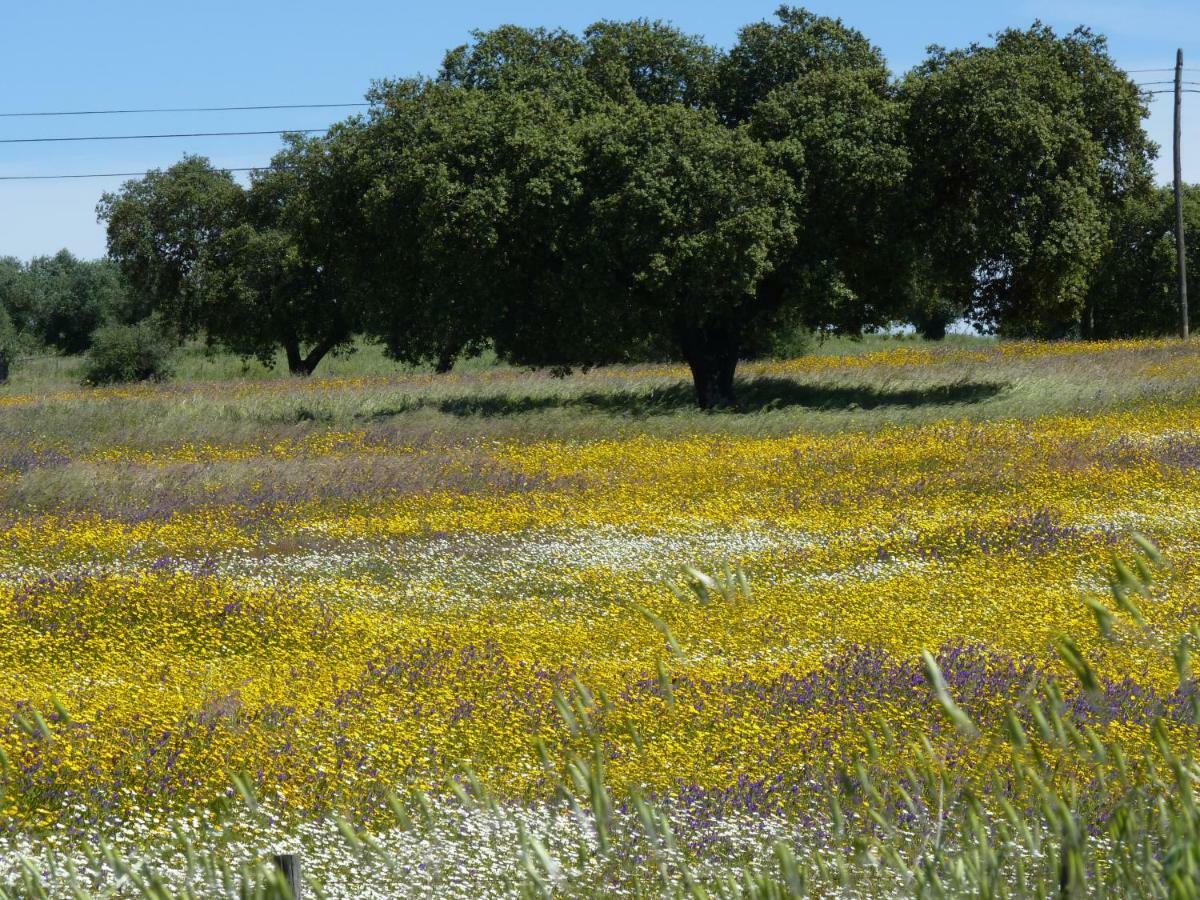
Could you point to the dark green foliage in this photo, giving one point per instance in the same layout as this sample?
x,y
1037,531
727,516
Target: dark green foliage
x,y
127,353
510,58
931,314
1136,288
576,201
461,198
73,298
687,220
1022,151
773,55
159,228
565,239
839,135
58,301
650,62
788,343
13,286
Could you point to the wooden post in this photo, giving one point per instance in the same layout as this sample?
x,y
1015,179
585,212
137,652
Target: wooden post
x,y
1180,242
288,865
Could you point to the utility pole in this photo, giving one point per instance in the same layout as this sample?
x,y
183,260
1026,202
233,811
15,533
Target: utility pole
x,y
1180,244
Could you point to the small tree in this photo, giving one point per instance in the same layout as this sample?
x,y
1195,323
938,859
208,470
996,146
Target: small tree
x,y
214,258
60,300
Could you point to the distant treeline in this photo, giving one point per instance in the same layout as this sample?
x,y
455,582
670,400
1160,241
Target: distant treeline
x,y
633,192
57,303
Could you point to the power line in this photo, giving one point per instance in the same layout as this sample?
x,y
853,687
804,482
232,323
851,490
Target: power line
x,y
144,137
117,174
130,137
177,109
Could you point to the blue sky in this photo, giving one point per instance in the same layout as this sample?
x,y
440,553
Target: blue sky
x,y
137,53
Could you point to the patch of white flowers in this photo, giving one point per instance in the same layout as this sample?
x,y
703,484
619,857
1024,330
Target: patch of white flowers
x,y
484,851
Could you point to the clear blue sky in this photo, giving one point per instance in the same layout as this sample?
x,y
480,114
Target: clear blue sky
x,y
71,54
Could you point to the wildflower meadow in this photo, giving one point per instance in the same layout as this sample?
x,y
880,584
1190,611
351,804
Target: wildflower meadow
x,y
912,621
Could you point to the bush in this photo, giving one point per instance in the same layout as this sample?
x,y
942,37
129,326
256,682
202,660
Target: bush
x,y
122,353
789,343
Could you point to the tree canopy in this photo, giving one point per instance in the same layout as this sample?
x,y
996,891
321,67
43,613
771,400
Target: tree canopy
x,y
1022,150
581,200
211,256
1135,289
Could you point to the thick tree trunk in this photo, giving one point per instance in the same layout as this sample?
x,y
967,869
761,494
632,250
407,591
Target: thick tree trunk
x,y
445,360
934,328
298,364
712,355
294,360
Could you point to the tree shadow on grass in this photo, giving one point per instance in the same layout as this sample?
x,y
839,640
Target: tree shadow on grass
x,y
754,395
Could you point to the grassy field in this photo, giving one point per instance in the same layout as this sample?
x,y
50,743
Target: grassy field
x,y
239,609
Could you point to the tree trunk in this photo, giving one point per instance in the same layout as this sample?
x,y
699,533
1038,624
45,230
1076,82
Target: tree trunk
x,y
3,368
304,365
712,355
934,328
445,360
294,360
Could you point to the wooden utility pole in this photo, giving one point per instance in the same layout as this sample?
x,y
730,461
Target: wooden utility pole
x,y
1180,243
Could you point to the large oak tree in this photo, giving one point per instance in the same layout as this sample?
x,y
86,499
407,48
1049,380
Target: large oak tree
x,y
581,200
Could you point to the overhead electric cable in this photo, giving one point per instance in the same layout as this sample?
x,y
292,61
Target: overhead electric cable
x,y
178,109
144,137
120,174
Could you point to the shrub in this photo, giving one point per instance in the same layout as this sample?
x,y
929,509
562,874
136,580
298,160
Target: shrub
x,y
789,343
122,353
